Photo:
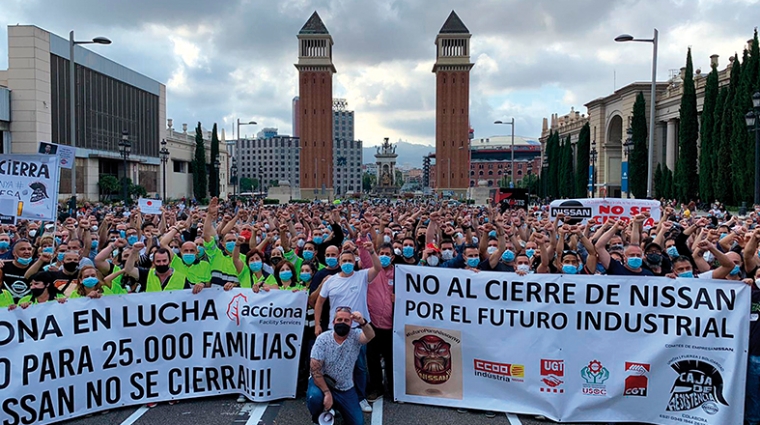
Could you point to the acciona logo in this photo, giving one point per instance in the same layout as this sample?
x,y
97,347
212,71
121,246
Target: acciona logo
x,y
238,308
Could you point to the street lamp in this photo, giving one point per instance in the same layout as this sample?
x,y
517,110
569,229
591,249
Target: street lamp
x,y
125,147
628,145
512,166
593,154
650,160
234,171
164,154
73,105
753,123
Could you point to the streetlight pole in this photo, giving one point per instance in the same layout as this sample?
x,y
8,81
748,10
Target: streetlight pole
x,y
650,160
125,147
628,145
73,105
753,123
593,154
234,171
512,161
164,154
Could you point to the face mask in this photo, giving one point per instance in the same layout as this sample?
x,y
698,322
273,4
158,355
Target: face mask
x,y
600,268
708,257
492,234
408,251
32,233
723,235
70,267
523,268
301,243
266,226
36,292
616,247
131,240
347,268
475,240
258,240
286,275
24,261
308,255
317,240
342,329
57,240
123,233
4,245
432,260
654,259
473,261
175,250
255,266
387,239
385,261
634,262
757,283
457,235
508,256
229,246
331,262
162,269
150,257
735,271
48,250
94,228
60,257
491,249
306,277
188,258
94,245
397,251
90,282
569,269
530,252
447,254
672,251
201,251
688,274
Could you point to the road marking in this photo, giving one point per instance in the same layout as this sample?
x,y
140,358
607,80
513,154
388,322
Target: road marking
x,y
377,412
257,413
135,416
513,419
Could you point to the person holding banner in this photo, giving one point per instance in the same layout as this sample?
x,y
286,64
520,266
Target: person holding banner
x,y
12,273
41,291
332,365
196,271
161,277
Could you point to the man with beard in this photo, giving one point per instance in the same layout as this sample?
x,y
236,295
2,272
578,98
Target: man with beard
x,y
332,366
12,273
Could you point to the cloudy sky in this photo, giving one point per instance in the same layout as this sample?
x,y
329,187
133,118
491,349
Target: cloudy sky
x,y
228,59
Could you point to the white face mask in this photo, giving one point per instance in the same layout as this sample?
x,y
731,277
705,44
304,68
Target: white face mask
x,y
491,250
397,251
708,256
447,254
523,268
475,240
387,239
32,233
301,243
432,260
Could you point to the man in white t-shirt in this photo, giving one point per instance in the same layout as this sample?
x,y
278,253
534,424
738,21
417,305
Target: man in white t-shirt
x,y
349,289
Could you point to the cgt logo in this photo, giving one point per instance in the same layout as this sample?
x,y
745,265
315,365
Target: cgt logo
x,y
637,379
552,374
233,308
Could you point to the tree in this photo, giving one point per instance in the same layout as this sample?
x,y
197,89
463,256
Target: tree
x,y
743,141
686,180
399,178
582,161
368,182
716,142
707,152
553,160
213,175
567,179
198,166
658,181
504,181
667,183
724,181
247,184
108,185
638,160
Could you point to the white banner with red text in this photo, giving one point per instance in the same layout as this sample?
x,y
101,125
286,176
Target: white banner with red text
x,y
59,361
573,348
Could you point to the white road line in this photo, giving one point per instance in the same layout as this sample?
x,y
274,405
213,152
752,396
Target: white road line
x,y
135,416
257,413
377,412
513,419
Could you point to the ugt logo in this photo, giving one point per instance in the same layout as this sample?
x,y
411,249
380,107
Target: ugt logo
x,y
233,308
552,376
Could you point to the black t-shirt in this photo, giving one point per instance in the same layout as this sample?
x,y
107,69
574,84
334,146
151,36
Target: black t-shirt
x,y
14,281
62,282
617,269
754,323
485,265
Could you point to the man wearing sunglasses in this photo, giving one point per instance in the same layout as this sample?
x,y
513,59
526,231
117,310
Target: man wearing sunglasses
x,y
332,367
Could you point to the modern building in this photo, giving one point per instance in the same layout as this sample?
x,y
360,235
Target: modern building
x,y
610,116
370,169
110,99
271,160
315,72
266,133
452,110
347,152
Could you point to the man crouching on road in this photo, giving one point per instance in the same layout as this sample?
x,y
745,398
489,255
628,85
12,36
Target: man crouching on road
x,y
332,367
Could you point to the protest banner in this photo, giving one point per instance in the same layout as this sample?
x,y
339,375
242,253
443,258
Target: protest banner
x,y
28,187
59,361
603,209
150,206
66,154
511,198
573,348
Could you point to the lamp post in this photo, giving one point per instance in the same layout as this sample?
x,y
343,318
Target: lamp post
x,y
73,105
650,160
125,147
628,146
164,154
234,171
753,123
512,149
593,154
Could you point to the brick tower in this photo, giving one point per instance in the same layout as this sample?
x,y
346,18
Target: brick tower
x,y
315,70
452,106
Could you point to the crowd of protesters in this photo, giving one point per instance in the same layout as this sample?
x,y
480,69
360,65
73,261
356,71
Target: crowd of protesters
x,y
343,255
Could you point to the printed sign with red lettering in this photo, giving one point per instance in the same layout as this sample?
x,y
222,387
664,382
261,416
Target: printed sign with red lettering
x,y
603,209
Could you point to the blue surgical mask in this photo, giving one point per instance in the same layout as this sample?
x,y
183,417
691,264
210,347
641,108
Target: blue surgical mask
x,y
48,250
132,239
308,255
408,251
90,282
475,240
735,271
530,252
331,262
286,275
672,251
24,261
473,261
723,235
229,246
175,250
57,240
60,256
385,260
255,266
688,274
492,233
306,277
318,240
508,256
347,268
5,245
569,269
201,251
94,245
188,258
634,262
123,233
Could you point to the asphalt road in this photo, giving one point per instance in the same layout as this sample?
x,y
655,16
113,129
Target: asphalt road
x,y
226,411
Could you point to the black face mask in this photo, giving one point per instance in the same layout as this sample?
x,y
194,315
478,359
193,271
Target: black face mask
x,y
70,267
275,260
654,259
36,292
162,269
342,329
